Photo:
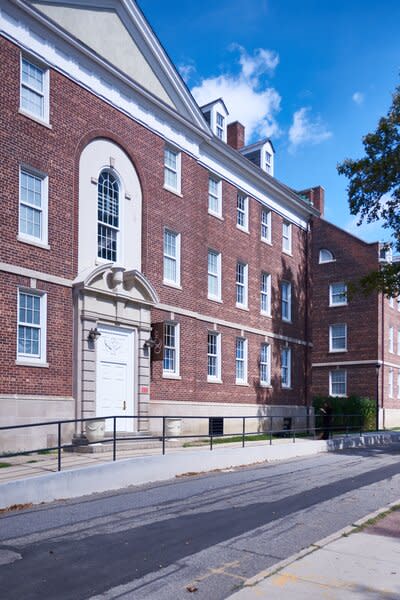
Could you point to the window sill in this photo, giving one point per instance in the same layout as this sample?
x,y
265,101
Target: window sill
x,y
241,307
265,314
265,386
216,215
338,304
215,300
172,285
287,252
38,120
338,396
268,242
31,363
171,376
33,242
244,229
214,380
289,321
242,383
338,351
286,387
172,191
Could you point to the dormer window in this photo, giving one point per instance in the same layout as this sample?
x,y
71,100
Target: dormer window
x,y
220,126
268,162
326,256
261,154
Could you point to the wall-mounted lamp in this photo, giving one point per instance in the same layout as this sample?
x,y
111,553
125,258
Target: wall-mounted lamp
x,y
93,334
150,343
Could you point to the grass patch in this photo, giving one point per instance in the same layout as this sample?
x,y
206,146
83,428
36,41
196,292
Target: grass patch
x,y
44,452
28,462
376,519
4,465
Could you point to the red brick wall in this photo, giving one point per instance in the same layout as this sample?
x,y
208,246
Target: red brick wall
x,y
76,117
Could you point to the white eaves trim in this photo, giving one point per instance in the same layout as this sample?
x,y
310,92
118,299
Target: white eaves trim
x,y
146,109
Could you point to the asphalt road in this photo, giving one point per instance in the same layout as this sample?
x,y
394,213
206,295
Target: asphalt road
x,y
207,533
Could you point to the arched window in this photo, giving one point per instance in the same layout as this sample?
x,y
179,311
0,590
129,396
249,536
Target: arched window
x,y
326,256
107,216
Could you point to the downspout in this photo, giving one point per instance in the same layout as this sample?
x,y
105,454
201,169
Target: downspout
x,y
382,356
307,322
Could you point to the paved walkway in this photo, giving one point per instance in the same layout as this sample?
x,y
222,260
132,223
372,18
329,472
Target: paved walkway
x,y
361,562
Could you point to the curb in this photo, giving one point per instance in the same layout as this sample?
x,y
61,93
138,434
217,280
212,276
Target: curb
x,y
317,546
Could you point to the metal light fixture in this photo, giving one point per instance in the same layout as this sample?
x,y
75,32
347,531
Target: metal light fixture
x,y
93,334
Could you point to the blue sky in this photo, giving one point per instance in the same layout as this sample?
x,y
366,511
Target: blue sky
x,y
313,75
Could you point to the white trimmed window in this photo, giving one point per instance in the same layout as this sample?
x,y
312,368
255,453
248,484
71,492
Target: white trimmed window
x,y
220,126
242,212
337,294
172,258
338,383
391,339
265,364
108,217
398,384
241,284
265,294
33,200
398,342
268,162
241,360
214,275
172,169
391,302
34,98
286,359
171,350
287,237
390,382
326,256
338,337
214,197
286,298
31,344
266,226
214,356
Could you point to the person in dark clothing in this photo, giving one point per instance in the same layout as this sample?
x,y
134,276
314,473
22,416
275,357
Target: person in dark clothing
x,y
326,411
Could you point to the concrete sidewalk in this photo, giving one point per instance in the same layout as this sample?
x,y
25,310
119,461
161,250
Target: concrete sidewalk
x,y
361,562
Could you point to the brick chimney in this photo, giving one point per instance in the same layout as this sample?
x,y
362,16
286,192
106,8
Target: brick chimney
x,y
235,135
317,196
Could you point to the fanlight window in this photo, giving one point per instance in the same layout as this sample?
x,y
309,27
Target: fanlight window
x,y
107,216
325,256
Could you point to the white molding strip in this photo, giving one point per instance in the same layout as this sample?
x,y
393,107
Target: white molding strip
x,y
345,363
238,326
228,405
23,272
25,398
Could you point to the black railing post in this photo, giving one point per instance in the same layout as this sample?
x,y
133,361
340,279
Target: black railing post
x,y
294,436
243,430
211,439
163,435
59,446
114,438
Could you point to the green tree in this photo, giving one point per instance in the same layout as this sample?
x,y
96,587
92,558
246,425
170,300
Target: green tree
x,y
374,190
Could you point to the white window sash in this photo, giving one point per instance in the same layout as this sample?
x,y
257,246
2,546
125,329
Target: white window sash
x,y
334,337
265,364
241,362
338,382
286,301
333,295
242,212
41,327
176,258
43,93
214,197
242,286
216,356
287,237
215,275
286,367
172,372
266,226
172,169
265,294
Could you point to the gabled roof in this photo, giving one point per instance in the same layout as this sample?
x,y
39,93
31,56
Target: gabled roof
x,y
117,32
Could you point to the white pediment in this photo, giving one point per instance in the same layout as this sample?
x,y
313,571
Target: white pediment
x,y
103,31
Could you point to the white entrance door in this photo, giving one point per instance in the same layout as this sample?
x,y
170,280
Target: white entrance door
x,y
115,392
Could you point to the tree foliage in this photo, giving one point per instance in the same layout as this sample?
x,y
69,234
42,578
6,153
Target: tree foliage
x,y
374,189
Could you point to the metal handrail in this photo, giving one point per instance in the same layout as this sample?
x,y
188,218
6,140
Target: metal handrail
x,y
164,436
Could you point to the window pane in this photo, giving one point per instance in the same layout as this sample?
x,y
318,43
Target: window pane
x,y
169,363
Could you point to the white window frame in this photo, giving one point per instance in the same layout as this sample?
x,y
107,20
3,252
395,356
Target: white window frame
x,y
220,126
286,384
40,358
177,170
391,302
266,222
265,293
287,237
117,228
332,294
217,377
45,93
242,211
265,364
331,393
244,286
331,337
398,303
398,384
398,342
241,381
217,275
391,382
176,258
172,373
288,286
217,198
268,162
391,339
322,260
41,240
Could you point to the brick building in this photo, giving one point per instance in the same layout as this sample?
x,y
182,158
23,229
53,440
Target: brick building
x,y
356,338
133,216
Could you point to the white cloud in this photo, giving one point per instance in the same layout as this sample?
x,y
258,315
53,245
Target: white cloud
x,y
186,71
246,94
358,98
305,130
